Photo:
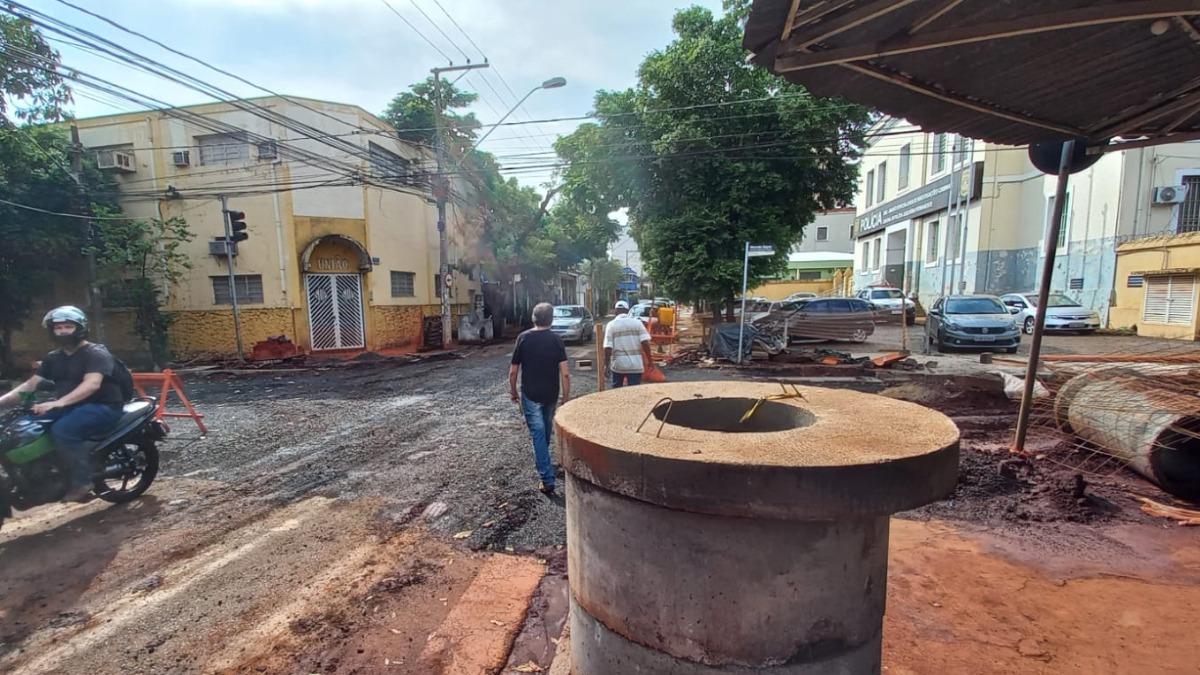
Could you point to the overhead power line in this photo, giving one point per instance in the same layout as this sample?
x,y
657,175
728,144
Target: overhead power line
x,y
439,29
418,32
460,29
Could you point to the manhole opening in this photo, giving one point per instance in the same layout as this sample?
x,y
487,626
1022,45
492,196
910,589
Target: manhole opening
x,y
725,414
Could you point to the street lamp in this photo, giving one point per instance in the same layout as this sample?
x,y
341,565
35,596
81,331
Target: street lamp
x,y
552,83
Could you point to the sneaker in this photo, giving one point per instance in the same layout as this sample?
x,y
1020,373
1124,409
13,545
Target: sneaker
x,y
79,494
548,491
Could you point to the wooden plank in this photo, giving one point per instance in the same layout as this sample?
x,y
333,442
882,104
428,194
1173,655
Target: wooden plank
x,y
848,21
921,23
962,102
1028,25
791,17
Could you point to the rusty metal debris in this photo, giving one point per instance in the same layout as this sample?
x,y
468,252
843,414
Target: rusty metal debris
x,y
794,393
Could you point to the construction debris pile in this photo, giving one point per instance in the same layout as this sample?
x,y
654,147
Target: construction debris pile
x,y
1113,411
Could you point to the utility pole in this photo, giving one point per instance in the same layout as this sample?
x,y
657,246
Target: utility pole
x,y
229,254
94,299
441,192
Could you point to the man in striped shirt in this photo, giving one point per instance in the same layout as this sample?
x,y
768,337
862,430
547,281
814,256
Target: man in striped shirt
x,y
626,347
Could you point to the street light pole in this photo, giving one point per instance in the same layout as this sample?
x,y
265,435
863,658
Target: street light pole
x,y
441,192
552,83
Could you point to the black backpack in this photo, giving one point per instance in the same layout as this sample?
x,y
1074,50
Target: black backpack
x,y
121,376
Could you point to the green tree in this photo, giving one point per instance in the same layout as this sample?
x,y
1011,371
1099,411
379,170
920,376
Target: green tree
x,y
30,87
136,260
708,153
513,229
40,248
604,277
412,113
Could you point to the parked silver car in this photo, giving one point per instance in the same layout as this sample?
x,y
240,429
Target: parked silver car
x,y
1062,313
573,323
971,321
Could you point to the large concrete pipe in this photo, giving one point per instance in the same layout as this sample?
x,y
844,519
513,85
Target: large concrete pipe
x,y
699,543
1147,416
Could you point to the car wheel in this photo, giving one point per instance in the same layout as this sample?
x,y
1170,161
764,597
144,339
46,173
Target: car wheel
x,y
1029,325
935,343
859,335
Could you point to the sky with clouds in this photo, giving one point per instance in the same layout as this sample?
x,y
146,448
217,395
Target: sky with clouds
x,y
360,52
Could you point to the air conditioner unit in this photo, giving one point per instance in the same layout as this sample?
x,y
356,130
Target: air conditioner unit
x,y
181,158
116,160
1170,194
268,150
216,247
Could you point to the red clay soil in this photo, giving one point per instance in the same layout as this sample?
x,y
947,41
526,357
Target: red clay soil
x,y
967,602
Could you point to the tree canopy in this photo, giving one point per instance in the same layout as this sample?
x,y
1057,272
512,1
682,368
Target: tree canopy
x,y
412,113
511,228
708,153
30,87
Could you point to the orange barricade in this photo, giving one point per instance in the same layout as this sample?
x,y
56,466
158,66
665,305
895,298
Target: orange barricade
x,y
169,382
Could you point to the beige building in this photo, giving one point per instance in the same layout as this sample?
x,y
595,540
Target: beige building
x,y
941,214
343,243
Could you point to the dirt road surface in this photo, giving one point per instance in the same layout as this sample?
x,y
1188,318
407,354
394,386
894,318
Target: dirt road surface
x,y
376,517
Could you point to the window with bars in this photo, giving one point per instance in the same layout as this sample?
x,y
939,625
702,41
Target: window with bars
x,y
939,153
249,289
1189,210
404,284
223,149
905,165
931,252
1063,230
387,164
954,237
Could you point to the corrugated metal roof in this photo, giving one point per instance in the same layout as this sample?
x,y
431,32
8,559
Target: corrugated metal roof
x,y
1005,71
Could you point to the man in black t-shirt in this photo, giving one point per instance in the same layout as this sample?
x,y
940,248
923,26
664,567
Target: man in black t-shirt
x,y
541,358
88,398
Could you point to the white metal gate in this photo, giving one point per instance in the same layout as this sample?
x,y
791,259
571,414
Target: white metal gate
x,y
335,311
1170,299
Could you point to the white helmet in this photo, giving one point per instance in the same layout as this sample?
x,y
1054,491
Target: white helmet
x,y
66,314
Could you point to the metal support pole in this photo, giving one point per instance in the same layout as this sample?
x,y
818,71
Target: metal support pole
x,y
965,219
441,192
742,318
95,300
229,248
1035,342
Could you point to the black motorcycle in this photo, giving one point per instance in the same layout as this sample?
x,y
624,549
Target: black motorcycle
x,y
124,461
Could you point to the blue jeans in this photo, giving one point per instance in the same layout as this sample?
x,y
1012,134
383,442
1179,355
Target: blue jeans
x,y
72,428
625,379
539,417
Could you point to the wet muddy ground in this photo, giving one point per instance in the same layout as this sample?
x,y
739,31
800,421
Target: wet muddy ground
x,y
379,517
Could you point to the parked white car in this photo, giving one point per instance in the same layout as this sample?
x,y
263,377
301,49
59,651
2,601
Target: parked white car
x,y
890,303
1062,313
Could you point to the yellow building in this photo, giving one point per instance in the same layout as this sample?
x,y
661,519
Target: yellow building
x,y
1156,289
343,242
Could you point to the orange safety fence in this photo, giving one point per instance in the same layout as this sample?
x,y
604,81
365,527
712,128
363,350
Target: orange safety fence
x,y
168,381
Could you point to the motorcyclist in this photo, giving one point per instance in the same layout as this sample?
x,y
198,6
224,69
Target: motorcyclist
x,y
87,399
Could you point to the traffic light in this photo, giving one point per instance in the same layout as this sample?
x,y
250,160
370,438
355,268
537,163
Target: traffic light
x,y
237,225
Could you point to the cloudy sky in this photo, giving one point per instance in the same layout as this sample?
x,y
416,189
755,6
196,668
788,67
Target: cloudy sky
x,y
361,52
